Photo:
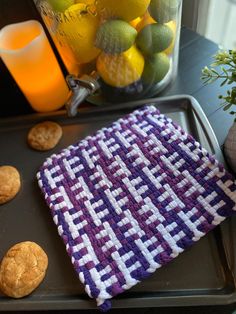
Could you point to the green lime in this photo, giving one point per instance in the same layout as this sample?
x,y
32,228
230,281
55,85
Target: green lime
x,y
163,11
115,36
156,68
61,5
154,38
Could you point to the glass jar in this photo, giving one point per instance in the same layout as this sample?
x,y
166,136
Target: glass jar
x,y
131,45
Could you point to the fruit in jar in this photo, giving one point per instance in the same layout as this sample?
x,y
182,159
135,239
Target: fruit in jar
x,y
154,38
135,22
120,94
78,29
127,40
85,1
126,10
121,70
163,11
156,68
115,36
146,20
60,5
172,25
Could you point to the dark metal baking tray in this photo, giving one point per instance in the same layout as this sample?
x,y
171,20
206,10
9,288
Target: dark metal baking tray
x,y
203,275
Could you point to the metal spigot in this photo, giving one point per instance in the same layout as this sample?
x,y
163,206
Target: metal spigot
x,y
80,88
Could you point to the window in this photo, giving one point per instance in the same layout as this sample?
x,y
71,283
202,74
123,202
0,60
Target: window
x,y
214,19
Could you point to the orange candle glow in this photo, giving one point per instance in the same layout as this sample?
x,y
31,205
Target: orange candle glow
x,y
25,50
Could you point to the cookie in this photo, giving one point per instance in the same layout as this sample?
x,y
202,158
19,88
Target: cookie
x,y
44,136
9,183
22,269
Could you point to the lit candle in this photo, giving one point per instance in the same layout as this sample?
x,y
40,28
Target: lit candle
x,y
26,52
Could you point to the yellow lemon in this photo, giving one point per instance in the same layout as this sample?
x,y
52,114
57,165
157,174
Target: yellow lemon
x,y
78,29
90,6
173,27
127,10
85,1
122,69
146,20
135,22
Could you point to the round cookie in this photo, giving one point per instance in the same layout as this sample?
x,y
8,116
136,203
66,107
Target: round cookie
x,y
45,135
9,183
22,269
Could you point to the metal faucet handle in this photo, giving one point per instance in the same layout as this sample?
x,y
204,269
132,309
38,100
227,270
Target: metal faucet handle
x,y
80,88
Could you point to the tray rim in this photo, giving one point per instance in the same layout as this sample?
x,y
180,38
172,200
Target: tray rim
x,y
84,112
103,109
118,303
157,300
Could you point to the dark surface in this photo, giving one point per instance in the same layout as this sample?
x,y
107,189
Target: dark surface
x,y
195,53
180,310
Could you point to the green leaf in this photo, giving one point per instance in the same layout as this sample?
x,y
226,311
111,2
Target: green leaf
x,y
207,81
214,71
232,112
224,82
215,64
223,69
227,107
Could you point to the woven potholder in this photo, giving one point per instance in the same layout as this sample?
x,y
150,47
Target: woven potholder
x,y
130,198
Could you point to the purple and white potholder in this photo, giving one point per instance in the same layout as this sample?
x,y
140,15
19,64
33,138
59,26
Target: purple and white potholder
x,y
130,198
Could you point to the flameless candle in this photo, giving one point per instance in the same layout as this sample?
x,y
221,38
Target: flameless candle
x,y
26,52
